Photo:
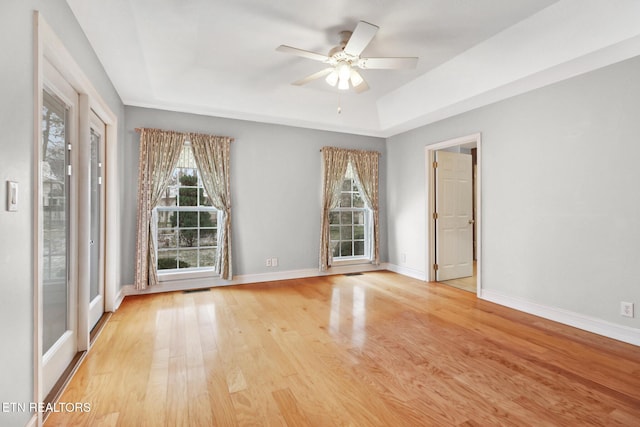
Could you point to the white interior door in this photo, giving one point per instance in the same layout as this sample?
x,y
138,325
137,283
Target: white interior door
x,y
454,223
96,236
57,219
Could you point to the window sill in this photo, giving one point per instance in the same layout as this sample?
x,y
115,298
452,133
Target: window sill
x,y
350,261
186,275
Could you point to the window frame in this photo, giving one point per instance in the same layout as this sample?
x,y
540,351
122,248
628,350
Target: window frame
x,y
157,229
350,174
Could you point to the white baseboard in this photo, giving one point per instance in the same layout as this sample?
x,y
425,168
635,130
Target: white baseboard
x,y
406,271
119,299
580,321
189,284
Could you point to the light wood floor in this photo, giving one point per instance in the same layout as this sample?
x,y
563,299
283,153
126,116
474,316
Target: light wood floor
x,y
377,349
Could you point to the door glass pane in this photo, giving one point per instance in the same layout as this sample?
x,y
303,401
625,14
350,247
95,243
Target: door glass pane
x,y
55,218
94,243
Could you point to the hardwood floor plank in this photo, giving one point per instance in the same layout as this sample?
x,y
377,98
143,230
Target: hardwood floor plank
x,y
377,349
290,409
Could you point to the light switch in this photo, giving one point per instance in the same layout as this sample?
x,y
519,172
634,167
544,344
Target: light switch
x,y
12,196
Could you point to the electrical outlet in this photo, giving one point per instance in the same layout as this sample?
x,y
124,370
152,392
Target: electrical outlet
x,y
274,262
268,262
626,309
403,257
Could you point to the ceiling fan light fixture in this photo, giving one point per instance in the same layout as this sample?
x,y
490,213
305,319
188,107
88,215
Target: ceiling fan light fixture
x,y
332,78
356,78
344,70
343,84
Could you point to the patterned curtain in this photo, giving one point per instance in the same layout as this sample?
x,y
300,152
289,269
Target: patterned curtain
x,y
334,166
212,157
365,164
159,153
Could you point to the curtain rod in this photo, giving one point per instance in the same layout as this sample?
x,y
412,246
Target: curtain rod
x,y
364,151
163,130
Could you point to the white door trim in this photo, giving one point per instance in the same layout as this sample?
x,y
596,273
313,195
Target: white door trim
x,y
48,46
429,151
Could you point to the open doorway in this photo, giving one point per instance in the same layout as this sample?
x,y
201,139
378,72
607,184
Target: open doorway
x,y
453,195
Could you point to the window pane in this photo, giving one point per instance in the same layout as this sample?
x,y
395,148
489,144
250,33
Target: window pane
x,y
207,257
335,232
346,217
188,258
188,177
334,217
346,185
188,219
346,232
358,248
345,200
55,241
169,197
166,219
358,232
173,181
207,237
188,196
204,199
188,238
335,248
167,260
358,202
58,265
345,248
54,220
358,217
208,219
167,239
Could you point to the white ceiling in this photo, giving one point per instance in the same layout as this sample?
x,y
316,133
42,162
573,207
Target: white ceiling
x,y
218,57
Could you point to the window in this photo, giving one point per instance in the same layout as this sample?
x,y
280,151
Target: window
x,y
187,224
349,222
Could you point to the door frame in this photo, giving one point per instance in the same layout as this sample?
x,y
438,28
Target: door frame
x,y
430,228
48,47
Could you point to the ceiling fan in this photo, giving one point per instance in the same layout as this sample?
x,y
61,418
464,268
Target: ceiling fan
x,y
345,58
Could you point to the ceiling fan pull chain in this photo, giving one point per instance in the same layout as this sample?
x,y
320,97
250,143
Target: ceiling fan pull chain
x,y
339,107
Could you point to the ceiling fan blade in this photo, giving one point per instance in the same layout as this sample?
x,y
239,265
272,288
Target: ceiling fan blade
x,y
303,53
388,63
312,77
361,87
361,37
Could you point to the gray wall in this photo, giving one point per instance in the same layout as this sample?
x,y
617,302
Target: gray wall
x,y
16,163
560,197
275,187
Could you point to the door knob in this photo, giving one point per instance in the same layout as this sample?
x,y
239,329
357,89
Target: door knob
x,y
472,221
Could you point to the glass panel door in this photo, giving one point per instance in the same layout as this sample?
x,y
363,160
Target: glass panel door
x,y
96,272
55,219
57,227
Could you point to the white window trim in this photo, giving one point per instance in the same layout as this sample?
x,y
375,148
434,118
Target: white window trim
x,y
189,272
368,232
